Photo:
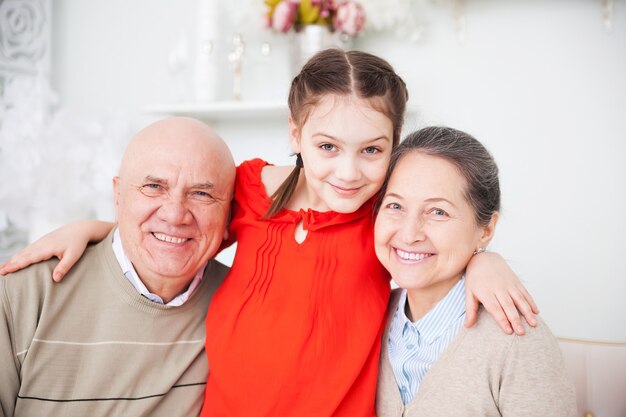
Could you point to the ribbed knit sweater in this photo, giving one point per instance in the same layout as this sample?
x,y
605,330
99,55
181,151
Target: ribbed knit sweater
x,y
93,346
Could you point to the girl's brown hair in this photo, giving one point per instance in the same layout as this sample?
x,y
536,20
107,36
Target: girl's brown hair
x,y
333,71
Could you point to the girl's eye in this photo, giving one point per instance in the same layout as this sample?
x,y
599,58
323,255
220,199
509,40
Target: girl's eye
x,y
371,150
328,147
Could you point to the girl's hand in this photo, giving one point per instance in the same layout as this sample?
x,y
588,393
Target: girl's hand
x,y
491,282
66,243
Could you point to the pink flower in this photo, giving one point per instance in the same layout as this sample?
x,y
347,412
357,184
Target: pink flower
x,y
285,15
350,18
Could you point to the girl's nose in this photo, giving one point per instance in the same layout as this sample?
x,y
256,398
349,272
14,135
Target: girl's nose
x,y
348,170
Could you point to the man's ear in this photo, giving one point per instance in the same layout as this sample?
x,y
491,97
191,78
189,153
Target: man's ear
x,y
116,193
294,135
489,230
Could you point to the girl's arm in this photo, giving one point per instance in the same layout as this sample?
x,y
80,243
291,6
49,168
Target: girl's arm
x,y
66,243
490,281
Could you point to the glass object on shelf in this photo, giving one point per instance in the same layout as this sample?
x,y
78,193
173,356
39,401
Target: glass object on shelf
x,y
235,58
178,59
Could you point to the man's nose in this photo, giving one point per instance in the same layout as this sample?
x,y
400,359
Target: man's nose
x,y
174,210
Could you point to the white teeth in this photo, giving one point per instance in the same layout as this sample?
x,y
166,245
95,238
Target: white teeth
x,y
169,239
412,256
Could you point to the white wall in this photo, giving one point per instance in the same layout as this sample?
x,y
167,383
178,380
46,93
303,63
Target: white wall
x,y
541,83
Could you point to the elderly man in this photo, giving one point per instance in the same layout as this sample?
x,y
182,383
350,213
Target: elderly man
x,y
123,334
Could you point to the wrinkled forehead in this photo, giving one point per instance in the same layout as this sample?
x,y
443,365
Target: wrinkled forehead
x,y
182,165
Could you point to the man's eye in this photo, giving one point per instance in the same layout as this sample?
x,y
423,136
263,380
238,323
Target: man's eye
x,y
201,196
152,190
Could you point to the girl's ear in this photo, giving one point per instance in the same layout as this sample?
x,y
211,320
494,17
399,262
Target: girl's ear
x,y
488,231
294,135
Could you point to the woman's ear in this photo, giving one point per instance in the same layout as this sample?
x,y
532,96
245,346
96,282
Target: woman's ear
x,y
294,135
489,230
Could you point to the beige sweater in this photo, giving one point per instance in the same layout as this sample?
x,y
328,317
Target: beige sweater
x,y
484,372
93,346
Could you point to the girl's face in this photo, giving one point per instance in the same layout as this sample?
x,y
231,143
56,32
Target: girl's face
x,y
345,146
425,231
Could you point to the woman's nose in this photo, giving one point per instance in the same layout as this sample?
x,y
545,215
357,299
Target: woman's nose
x,y
412,229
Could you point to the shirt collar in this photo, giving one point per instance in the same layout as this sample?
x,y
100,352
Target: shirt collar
x,y
438,320
133,277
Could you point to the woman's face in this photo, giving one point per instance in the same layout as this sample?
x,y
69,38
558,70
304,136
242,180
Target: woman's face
x,y
425,230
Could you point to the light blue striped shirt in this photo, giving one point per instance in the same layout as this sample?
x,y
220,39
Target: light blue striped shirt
x,y
414,347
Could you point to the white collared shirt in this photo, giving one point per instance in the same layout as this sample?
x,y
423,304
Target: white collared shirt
x,y
131,275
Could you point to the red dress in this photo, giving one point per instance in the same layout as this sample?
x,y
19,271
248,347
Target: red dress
x,y
295,329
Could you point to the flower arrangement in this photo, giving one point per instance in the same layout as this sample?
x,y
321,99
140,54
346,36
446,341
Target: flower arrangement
x,y
345,16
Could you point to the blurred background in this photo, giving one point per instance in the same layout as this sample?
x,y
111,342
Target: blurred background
x,y
542,83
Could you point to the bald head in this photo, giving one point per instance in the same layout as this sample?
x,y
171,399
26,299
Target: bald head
x,y
170,135
172,200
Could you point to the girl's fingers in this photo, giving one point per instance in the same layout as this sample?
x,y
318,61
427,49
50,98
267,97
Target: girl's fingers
x,y
495,309
512,314
471,310
69,258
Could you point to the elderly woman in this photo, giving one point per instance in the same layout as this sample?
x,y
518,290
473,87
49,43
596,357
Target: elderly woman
x,y
439,206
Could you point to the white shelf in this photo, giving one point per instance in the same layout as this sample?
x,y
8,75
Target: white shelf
x,y
226,110
237,110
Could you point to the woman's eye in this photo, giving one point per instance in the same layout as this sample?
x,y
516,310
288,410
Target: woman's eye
x,y
394,206
328,147
438,212
371,150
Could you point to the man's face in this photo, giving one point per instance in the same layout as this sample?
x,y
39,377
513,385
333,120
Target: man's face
x,y
172,201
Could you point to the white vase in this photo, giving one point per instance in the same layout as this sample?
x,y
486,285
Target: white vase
x,y
207,74
311,39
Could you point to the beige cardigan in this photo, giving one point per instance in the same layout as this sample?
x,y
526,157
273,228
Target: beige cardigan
x,y
484,372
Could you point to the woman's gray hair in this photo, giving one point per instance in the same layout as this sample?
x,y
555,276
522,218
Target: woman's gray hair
x,y
470,157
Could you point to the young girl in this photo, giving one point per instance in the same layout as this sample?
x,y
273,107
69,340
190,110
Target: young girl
x,y
296,327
